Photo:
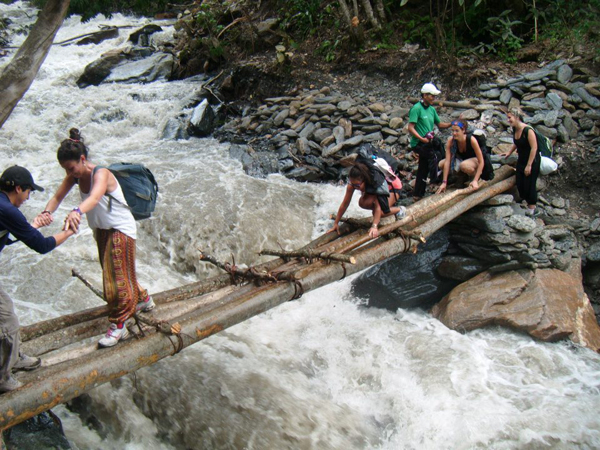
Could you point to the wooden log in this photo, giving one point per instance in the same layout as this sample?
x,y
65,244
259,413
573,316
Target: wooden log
x,y
173,295
310,254
445,103
47,387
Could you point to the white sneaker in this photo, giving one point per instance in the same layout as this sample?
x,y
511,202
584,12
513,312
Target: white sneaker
x,y
113,336
146,305
402,213
27,363
10,385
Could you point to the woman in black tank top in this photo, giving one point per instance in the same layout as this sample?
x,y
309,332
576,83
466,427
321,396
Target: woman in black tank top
x,y
528,162
464,149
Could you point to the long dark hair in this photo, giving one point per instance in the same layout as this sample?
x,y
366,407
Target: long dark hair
x,y
72,148
361,172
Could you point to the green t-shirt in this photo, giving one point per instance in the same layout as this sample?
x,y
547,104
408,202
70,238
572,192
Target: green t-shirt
x,y
424,119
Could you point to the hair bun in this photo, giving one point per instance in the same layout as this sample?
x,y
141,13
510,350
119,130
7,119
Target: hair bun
x,y
74,134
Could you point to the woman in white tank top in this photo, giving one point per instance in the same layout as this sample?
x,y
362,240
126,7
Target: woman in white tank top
x,y
114,230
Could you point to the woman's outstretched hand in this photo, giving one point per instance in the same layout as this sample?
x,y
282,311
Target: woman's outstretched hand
x,y
335,227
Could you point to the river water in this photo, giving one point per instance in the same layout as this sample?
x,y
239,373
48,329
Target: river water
x,y
322,372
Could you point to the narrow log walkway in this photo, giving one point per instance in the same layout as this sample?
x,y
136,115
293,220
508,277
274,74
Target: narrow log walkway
x,y
72,363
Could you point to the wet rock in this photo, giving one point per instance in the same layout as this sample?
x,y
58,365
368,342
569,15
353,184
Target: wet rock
x,y
100,36
460,268
146,31
547,304
487,254
156,67
43,431
175,129
202,120
95,72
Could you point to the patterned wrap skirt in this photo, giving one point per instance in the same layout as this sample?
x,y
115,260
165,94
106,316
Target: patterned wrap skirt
x,y
122,291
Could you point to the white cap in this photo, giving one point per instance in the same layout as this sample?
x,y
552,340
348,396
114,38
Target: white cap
x,y
429,88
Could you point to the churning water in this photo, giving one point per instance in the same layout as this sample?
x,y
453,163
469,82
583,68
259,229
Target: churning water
x,y
322,372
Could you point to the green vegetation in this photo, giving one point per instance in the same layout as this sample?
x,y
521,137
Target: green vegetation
x,y
91,8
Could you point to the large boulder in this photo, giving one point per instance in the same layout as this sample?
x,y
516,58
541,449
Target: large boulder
x,y
547,304
156,67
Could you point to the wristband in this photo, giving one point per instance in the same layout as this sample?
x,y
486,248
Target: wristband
x,y
78,211
445,182
374,226
46,212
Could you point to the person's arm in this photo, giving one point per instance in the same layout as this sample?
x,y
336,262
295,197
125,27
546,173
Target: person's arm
x,y
342,209
439,123
480,163
16,224
510,152
447,162
531,138
413,132
377,213
46,216
101,180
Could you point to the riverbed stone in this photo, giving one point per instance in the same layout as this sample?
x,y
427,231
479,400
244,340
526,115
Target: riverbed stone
x,y
502,199
593,252
547,304
505,96
521,223
564,74
159,66
492,93
554,100
202,120
460,268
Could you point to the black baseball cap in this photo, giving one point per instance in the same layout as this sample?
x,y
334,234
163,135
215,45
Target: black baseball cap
x,y
18,176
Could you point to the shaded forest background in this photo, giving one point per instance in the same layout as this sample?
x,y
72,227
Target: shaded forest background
x,y
511,30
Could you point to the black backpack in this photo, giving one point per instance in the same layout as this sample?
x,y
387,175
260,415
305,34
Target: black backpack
x,y
139,188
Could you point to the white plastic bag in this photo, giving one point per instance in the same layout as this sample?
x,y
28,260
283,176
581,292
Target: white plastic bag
x,y
547,166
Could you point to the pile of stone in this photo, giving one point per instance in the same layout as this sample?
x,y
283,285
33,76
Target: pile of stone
x,y
561,104
317,128
498,236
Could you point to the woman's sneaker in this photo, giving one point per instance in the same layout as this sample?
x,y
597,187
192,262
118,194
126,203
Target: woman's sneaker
x,y
27,363
402,213
113,336
146,305
10,384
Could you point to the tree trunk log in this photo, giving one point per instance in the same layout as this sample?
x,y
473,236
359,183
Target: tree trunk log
x,y
462,105
18,75
310,254
370,15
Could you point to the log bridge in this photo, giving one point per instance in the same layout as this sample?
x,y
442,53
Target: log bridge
x,y
72,364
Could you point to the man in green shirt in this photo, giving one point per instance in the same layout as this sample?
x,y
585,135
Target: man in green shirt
x,y
421,121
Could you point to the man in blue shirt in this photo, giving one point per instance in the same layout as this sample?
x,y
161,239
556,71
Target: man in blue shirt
x,y
16,183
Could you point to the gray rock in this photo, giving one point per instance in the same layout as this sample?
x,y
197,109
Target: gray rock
x,y
502,199
302,145
587,97
593,114
487,86
505,96
564,74
586,123
344,105
373,137
102,35
550,133
551,119
307,131
470,114
563,134
521,223
338,133
281,116
286,164
595,225
202,120
593,252
571,126
175,129
321,134
159,66
554,101
492,93
539,74
488,254
460,268
517,90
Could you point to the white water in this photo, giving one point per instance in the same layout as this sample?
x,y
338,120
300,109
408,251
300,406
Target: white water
x,y
322,372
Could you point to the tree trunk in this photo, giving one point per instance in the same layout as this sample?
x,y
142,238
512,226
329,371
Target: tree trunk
x,y
369,11
21,71
348,18
380,10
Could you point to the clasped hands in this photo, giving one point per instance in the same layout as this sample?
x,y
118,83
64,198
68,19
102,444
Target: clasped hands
x,y
72,221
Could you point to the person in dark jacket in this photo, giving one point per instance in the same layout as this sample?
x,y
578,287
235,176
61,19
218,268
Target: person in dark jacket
x,y
16,183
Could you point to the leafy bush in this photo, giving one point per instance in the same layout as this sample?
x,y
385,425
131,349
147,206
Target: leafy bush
x,y
91,8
